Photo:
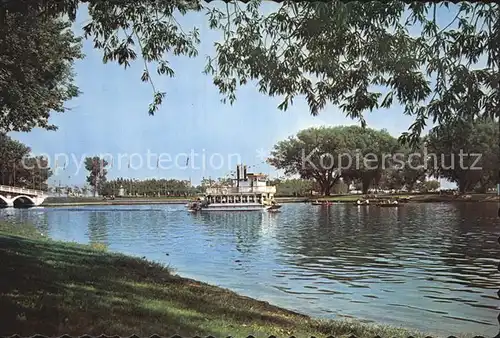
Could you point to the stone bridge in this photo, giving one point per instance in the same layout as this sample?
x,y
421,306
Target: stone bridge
x,y
20,197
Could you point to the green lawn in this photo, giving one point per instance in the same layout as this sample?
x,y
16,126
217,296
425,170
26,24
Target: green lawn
x,y
55,288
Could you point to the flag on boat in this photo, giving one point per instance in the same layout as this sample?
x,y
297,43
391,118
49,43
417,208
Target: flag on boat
x,y
187,161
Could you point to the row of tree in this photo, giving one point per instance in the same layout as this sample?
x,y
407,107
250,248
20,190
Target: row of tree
x,y
18,168
70,190
307,187
465,153
159,187
148,187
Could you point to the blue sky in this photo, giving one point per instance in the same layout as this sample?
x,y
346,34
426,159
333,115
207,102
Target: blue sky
x,y
110,117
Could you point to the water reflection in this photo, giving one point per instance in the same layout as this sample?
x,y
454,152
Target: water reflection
x,y
434,257
97,227
250,230
35,216
427,266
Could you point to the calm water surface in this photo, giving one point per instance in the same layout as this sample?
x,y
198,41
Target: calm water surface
x,y
427,266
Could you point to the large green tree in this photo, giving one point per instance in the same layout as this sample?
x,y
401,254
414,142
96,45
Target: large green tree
x,y
34,173
36,67
359,56
372,152
96,167
362,56
325,154
38,48
409,166
19,168
123,30
466,153
312,154
293,187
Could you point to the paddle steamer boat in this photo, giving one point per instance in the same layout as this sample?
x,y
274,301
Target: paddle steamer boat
x,y
249,192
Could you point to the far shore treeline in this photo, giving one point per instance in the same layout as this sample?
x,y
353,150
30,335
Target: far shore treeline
x,y
465,153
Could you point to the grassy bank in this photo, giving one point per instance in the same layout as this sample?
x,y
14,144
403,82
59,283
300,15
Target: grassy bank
x,y
55,288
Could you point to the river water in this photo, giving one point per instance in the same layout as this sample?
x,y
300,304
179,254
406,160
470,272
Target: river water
x,y
430,267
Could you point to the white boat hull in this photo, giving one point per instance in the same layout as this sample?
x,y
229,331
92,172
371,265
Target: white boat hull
x,y
234,207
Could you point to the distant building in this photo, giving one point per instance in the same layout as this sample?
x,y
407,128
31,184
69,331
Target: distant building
x,y
121,191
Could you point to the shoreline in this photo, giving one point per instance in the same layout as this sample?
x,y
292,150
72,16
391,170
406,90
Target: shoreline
x,y
82,284
417,198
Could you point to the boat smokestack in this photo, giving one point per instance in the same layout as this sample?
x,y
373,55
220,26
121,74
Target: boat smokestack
x,y
238,173
245,172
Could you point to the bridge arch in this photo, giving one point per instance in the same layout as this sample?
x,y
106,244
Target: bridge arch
x,y
23,201
3,202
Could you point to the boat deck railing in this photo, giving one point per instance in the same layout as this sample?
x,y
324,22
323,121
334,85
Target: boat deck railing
x,y
241,190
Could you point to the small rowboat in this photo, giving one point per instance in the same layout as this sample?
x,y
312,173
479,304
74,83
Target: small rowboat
x,y
321,203
388,205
